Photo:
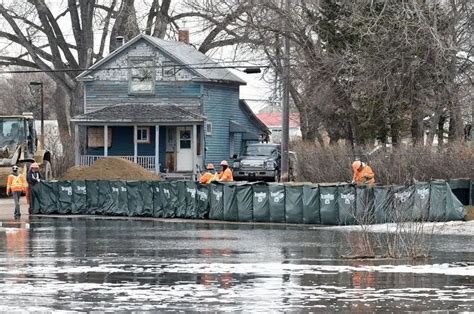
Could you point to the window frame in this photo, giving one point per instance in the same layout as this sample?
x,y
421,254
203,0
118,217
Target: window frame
x,y
148,139
131,63
208,128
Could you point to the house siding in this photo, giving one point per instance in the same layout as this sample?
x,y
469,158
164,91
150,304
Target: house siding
x,y
100,94
221,104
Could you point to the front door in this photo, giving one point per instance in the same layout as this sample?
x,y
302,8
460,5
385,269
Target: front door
x,y
184,152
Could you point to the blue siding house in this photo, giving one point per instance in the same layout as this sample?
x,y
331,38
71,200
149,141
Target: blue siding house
x,y
164,105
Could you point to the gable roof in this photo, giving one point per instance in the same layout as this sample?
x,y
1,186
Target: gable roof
x,y
140,113
183,54
256,121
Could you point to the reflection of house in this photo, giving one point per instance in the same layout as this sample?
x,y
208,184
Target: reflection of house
x,y
274,122
160,102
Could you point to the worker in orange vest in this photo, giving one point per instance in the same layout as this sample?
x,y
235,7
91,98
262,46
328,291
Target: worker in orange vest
x,y
16,184
209,176
363,174
226,174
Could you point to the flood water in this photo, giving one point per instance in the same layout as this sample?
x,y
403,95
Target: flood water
x,y
84,264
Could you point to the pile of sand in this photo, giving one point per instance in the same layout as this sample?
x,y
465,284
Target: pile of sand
x,y
110,168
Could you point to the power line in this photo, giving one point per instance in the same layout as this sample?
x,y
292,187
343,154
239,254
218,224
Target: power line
x,y
190,66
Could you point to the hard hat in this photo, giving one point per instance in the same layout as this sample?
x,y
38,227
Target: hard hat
x,y
224,163
356,165
210,167
35,165
15,168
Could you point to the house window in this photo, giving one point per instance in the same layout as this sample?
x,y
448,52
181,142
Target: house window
x,y
95,137
208,128
185,139
143,135
169,69
142,76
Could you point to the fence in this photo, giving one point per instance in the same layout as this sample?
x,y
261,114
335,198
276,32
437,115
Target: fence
x,y
147,162
251,202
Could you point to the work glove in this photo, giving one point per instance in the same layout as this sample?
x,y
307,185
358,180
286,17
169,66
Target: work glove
x,y
8,193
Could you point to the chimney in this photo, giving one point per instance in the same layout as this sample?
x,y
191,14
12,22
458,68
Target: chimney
x,y
120,41
183,36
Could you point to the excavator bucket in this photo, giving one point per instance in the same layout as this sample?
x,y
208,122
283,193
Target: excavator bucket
x,y
4,173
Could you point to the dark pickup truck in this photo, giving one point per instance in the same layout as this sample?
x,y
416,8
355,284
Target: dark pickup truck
x,y
260,162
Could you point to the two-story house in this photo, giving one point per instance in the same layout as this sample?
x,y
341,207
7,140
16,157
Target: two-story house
x,y
164,105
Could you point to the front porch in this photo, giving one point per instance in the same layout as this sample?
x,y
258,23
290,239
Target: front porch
x,y
153,141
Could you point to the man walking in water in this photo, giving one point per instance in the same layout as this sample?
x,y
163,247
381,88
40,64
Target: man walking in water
x,y
16,184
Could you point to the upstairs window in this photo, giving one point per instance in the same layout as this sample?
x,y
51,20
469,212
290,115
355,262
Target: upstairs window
x,y
169,70
143,135
142,76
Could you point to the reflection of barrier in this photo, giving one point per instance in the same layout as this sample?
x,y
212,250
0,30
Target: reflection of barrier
x,y
339,204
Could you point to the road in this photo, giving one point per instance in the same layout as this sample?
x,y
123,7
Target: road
x,y
87,264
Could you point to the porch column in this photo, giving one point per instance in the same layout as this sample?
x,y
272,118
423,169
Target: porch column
x,y
157,148
194,149
135,145
106,140
77,157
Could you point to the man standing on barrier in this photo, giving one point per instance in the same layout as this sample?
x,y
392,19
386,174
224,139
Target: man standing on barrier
x,y
16,184
363,174
33,177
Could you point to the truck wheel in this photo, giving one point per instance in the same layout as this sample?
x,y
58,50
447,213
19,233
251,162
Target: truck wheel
x,y
46,170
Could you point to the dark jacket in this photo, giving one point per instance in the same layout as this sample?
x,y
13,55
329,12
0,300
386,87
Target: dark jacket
x,y
33,177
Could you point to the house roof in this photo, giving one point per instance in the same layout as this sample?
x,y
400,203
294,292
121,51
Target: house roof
x,y
274,119
141,113
259,124
183,54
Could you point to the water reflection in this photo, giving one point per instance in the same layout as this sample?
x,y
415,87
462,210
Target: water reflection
x,y
96,264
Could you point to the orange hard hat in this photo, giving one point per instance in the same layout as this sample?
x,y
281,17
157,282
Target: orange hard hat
x,y
210,167
35,165
356,165
224,163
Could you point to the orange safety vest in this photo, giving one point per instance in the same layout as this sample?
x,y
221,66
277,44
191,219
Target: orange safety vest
x,y
365,176
16,183
226,176
208,178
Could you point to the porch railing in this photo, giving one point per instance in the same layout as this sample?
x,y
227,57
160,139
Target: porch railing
x,y
147,162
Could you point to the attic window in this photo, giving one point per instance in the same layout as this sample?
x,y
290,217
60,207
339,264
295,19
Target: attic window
x,y
142,76
169,69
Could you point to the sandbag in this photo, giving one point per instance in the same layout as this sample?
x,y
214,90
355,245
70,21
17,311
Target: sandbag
x,y
119,206
181,199
231,211
190,193
168,199
107,198
403,203
294,204
135,200
202,201
346,204
92,188
421,202
311,208
146,192
277,202
79,197
49,197
455,209
365,212
461,188
261,203
217,202
245,202
158,199
437,201
328,205
35,198
64,197
383,204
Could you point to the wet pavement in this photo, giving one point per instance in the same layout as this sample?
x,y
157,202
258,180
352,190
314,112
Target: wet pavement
x,y
93,264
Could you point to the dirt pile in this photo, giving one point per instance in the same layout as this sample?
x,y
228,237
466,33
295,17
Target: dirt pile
x,y
110,168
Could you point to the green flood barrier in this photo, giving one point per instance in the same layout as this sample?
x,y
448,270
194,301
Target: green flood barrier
x,y
341,204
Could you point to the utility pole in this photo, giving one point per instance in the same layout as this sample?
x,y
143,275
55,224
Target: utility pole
x,y
285,137
40,84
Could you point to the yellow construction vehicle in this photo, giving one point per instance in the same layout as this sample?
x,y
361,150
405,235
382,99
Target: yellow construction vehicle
x,y
20,145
